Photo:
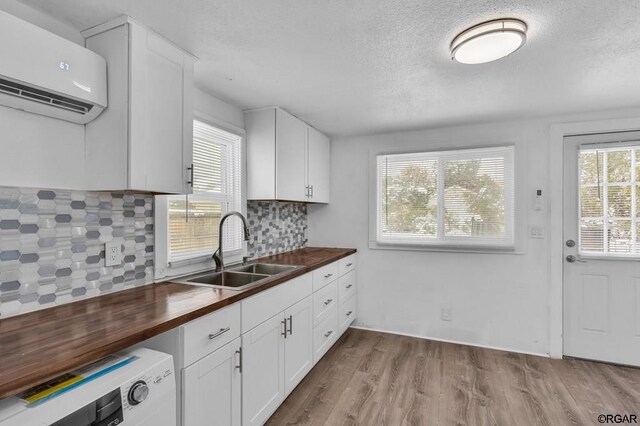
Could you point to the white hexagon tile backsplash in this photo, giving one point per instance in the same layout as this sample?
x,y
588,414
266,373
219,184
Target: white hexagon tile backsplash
x,y
52,245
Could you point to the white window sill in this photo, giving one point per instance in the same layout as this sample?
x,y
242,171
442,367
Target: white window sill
x,y
446,248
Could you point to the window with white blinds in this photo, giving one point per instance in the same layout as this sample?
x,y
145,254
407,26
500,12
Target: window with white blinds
x,y
609,187
461,197
193,220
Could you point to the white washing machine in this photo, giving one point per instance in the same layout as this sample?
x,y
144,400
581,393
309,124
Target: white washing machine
x,y
135,387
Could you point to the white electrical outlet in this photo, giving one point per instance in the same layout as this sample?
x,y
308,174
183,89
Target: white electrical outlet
x,y
446,313
112,254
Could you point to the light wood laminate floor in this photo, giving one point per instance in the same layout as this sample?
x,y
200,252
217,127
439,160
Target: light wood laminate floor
x,y
371,378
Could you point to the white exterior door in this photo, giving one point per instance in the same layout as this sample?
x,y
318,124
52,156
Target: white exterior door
x,y
602,247
211,388
298,346
263,370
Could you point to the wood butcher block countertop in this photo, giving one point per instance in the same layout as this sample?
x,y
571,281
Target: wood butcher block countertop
x,y
41,345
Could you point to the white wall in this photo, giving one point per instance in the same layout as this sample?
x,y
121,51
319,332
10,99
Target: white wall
x,y
498,300
218,111
31,143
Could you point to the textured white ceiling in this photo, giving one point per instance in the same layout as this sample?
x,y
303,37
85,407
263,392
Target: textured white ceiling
x,y
368,66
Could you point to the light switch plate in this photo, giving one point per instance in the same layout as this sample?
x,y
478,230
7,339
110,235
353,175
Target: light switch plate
x,y
112,254
536,231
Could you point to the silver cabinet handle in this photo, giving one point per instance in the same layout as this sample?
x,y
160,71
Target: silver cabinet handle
x,y
284,323
219,333
190,181
311,191
328,275
328,333
349,286
571,259
306,191
290,325
349,313
239,366
349,264
326,302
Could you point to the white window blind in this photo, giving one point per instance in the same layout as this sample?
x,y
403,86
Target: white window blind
x,y
462,197
193,220
609,212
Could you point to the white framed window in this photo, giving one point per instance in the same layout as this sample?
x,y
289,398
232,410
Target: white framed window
x,y
190,223
452,198
609,210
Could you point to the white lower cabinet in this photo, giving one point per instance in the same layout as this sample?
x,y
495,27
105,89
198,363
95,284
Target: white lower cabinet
x,y
238,364
263,361
298,345
211,388
325,334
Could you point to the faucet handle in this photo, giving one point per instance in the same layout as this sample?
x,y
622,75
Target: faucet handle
x,y
245,259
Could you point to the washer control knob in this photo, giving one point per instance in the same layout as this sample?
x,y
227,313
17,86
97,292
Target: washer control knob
x,y
138,392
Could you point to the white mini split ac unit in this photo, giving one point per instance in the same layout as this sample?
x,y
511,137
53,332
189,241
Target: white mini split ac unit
x,y
45,74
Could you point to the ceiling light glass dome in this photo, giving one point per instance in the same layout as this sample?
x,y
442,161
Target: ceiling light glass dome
x,y
489,41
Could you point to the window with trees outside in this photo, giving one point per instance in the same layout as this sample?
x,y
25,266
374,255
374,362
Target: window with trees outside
x,y
608,199
193,220
451,198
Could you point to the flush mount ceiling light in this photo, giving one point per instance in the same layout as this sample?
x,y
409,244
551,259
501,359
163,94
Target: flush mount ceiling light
x,y
489,41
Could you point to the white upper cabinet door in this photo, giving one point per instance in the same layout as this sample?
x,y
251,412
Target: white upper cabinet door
x,y
211,390
144,139
298,346
156,151
319,166
263,370
291,136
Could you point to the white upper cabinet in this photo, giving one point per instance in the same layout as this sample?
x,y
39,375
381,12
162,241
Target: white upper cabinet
x,y
291,138
286,158
143,140
319,166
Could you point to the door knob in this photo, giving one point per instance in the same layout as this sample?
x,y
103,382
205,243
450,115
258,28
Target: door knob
x,y
571,259
570,243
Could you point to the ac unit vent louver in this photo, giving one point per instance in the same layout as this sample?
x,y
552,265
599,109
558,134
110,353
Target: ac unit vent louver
x,y
21,91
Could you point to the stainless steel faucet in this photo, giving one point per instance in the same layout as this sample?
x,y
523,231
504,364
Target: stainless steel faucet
x,y
217,256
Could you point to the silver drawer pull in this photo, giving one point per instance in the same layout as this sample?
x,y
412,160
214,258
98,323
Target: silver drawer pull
x,y
349,264
328,333
349,313
219,333
326,302
328,275
349,286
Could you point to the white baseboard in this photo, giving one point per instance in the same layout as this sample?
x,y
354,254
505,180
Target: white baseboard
x,y
497,348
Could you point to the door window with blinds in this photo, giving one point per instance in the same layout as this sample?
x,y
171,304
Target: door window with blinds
x,y
193,220
451,198
609,191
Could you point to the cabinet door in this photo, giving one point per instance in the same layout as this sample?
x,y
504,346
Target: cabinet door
x,y
157,114
291,137
298,346
263,370
211,392
319,166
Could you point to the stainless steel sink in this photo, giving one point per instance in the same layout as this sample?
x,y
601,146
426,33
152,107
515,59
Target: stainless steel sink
x,y
237,278
227,279
263,268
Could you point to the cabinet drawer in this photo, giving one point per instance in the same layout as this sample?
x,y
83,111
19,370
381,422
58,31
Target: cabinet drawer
x,y
259,308
323,301
347,264
204,335
346,286
325,334
325,275
346,314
